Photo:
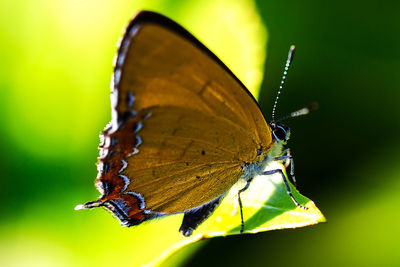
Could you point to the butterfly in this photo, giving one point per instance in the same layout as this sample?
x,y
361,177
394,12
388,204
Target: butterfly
x,y
183,131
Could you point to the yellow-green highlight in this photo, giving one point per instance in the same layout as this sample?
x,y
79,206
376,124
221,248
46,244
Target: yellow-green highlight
x,y
55,75
59,88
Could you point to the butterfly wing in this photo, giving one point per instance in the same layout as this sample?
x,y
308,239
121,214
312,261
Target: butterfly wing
x,y
183,125
160,63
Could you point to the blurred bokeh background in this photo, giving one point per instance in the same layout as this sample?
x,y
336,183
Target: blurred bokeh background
x,y
56,64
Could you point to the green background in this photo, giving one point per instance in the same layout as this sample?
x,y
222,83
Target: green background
x,y
54,78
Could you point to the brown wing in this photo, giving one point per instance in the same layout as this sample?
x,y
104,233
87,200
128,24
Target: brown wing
x,y
182,127
186,158
161,64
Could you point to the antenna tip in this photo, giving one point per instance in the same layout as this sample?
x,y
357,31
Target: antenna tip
x,y
291,53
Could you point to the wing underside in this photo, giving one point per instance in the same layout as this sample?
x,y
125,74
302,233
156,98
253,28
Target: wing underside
x,y
182,124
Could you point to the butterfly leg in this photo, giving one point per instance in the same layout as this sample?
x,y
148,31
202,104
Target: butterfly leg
x,y
241,207
288,191
289,161
193,218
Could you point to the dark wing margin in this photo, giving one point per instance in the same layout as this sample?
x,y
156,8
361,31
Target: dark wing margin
x,y
193,218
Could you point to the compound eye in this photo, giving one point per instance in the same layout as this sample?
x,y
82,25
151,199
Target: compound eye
x,y
280,133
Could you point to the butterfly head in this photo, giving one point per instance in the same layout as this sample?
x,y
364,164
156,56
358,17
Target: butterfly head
x,y
280,132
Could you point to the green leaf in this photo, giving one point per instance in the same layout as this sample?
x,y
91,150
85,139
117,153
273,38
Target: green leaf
x,y
266,206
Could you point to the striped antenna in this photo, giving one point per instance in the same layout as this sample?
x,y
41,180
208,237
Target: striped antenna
x,y
288,61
